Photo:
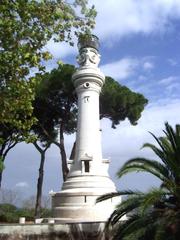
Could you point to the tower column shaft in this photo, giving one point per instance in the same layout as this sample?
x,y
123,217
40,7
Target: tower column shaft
x,y
88,140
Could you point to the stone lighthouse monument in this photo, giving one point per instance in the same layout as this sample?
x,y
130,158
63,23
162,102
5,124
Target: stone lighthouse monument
x,y
88,176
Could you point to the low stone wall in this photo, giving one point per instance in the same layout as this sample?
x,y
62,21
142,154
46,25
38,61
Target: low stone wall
x,y
71,231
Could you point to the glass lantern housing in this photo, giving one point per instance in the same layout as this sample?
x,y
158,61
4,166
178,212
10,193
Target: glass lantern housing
x,y
88,40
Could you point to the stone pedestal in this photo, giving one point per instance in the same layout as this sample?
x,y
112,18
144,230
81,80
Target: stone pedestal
x,y
88,176
45,231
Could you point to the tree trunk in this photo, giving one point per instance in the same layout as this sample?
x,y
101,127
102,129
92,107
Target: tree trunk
x,y
3,153
1,178
40,181
39,187
72,156
65,169
1,172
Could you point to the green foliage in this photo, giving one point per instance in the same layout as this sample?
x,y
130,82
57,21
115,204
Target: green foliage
x,y
26,27
46,212
11,214
154,215
6,207
118,103
56,110
55,102
27,213
1,164
88,40
9,137
55,106
8,213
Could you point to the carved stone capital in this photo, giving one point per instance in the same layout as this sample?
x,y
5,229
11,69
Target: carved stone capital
x,y
88,57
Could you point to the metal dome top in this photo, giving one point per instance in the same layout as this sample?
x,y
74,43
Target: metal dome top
x,y
88,40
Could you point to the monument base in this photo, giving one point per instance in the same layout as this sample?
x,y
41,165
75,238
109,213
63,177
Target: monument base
x,y
69,231
77,203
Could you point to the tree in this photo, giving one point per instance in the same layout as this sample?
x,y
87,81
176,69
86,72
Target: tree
x,y
8,213
45,133
9,137
26,27
58,94
118,102
155,214
42,148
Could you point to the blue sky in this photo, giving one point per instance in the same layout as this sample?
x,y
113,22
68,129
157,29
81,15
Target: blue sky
x,y
140,48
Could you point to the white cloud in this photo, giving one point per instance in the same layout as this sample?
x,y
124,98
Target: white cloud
x,y
22,185
127,138
172,87
148,66
128,66
142,78
116,19
172,62
126,141
168,80
120,69
60,50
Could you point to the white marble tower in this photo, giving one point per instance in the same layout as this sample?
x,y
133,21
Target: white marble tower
x,y
88,176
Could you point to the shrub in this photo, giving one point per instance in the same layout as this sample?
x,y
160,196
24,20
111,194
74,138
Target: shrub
x,y
8,213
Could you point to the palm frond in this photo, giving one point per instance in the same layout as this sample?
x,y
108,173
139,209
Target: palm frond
x,y
144,165
166,144
126,207
151,198
160,233
170,156
156,213
160,153
159,142
114,194
178,130
136,226
167,157
171,136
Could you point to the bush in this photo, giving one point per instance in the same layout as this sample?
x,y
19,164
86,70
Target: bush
x,y
11,214
8,213
27,213
46,212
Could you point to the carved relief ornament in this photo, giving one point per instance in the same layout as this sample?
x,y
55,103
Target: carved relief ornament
x,y
88,57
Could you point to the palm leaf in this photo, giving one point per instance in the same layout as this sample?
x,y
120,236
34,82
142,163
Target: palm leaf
x,y
174,139
125,207
160,233
171,135
170,155
137,226
178,129
155,214
114,194
166,155
157,151
144,165
154,196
